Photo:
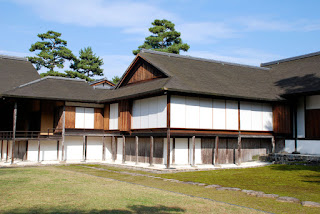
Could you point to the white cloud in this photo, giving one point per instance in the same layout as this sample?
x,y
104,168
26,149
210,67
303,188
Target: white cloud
x,y
241,56
97,12
116,65
205,32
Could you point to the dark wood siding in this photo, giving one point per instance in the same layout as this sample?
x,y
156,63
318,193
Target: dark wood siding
x,y
130,149
312,123
252,148
158,151
98,118
70,117
282,118
125,115
207,150
106,117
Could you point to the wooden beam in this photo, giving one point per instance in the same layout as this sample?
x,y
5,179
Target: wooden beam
x,y
14,130
57,150
38,151
137,149
216,154
123,149
103,148
151,150
273,142
239,150
193,150
63,132
113,148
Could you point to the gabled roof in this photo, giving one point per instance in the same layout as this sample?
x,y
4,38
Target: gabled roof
x,y
296,75
217,78
101,81
15,71
57,88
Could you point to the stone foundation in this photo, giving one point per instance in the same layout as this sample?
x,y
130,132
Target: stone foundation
x,y
295,159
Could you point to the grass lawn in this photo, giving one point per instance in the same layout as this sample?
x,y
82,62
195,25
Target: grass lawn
x,y
302,182
73,189
239,198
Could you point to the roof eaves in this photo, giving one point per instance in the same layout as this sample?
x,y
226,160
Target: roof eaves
x,y
50,77
13,57
291,59
201,59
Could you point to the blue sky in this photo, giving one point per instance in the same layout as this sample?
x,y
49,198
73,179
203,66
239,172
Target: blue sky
x,y
241,31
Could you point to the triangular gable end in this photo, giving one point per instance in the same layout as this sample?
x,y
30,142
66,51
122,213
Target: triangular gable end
x,y
140,71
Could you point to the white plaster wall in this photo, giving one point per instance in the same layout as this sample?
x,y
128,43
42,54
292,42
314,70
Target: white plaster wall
x,y
165,150
232,115
192,112
94,148
300,118
309,147
119,149
48,150
304,146
313,102
108,148
289,146
73,146
219,114
149,113
198,159
4,151
178,112
256,116
113,121
181,151
206,113
33,150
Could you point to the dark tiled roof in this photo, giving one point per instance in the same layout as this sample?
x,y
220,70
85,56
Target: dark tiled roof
x,y
195,75
15,71
57,88
296,75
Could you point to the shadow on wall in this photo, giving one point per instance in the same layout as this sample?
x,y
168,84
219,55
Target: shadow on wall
x,y
297,84
129,210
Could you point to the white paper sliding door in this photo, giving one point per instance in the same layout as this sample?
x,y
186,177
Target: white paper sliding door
x,y
113,119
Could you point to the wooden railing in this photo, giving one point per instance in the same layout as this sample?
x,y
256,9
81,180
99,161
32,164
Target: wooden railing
x,y
30,134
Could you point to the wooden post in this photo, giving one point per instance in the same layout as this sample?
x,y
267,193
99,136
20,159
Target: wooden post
x,y
123,149
84,148
103,148
27,145
63,132
113,142
14,130
239,150
1,150
193,150
216,154
173,150
168,129
137,149
57,150
38,151
273,142
7,156
168,148
151,150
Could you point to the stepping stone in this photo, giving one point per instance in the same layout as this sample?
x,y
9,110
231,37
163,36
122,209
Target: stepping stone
x,y
234,189
222,188
201,184
268,195
310,204
255,193
246,191
288,199
213,186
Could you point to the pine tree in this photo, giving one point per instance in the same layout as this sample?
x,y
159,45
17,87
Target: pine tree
x,y
165,38
88,63
53,52
115,79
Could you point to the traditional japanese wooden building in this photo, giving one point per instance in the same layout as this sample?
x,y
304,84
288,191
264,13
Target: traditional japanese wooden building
x,y
167,109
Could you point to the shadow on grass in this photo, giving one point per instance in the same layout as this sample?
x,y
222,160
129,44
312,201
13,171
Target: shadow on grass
x,y
129,210
295,167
